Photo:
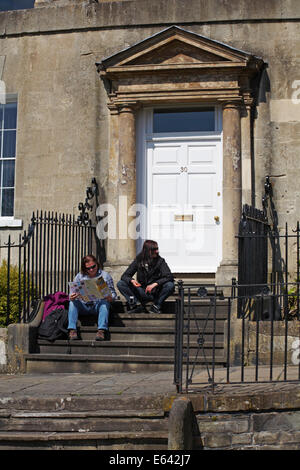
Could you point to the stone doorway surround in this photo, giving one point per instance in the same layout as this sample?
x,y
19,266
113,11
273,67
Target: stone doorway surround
x,y
175,67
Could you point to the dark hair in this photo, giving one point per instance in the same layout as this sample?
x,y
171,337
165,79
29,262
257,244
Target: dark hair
x,y
145,256
85,260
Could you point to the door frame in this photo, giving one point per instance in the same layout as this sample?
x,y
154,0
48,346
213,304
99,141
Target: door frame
x,y
144,135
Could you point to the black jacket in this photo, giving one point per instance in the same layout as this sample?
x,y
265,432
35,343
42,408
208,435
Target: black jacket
x,y
159,272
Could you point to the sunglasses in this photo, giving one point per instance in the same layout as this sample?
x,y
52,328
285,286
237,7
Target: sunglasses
x,y
91,267
154,249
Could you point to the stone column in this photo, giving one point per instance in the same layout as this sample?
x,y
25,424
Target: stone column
x,y
246,155
127,181
121,247
232,192
127,152
113,189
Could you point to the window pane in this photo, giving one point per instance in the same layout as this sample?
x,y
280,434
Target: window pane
x,y
8,178
1,115
7,203
10,116
16,4
184,120
9,144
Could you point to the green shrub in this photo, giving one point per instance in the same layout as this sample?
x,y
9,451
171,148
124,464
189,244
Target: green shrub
x,y
16,293
292,303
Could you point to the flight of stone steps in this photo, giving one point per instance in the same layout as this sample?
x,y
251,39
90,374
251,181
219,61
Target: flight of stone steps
x,y
82,423
138,342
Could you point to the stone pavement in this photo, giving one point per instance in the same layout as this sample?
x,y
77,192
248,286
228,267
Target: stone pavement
x,y
106,384
230,416
155,384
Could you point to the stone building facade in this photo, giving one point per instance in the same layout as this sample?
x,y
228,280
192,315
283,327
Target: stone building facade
x,y
102,88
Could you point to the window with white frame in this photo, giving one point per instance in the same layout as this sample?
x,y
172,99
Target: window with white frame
x,y
8,133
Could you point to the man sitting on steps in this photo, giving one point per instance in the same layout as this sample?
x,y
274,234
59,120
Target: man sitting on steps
x,y
154,282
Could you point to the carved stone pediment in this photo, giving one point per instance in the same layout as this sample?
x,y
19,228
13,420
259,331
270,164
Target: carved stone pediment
x,y
176,46
178,64
175,51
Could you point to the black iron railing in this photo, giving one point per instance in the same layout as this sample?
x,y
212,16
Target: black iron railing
x,y
268,261
253,332
253,246
267,255
215,345
45,258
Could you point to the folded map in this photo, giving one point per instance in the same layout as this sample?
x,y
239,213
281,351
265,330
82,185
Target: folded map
x,y
90,290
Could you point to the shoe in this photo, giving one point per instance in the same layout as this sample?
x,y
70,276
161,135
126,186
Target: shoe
x,y
73,334
155,309
137,309
100,336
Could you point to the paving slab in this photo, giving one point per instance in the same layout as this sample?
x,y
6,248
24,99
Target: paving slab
x,y
87,384
158,386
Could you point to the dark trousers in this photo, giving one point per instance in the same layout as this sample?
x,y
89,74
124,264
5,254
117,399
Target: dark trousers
x,y
157,296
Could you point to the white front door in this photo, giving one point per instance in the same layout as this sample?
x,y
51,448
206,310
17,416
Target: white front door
x,y
179,181
184,202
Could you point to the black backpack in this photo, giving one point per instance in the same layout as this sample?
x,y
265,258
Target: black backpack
x,y
55,325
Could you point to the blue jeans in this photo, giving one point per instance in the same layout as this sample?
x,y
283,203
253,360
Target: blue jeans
x,y
160,293
100,308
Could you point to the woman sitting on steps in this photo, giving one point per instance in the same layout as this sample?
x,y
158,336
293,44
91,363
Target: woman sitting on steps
x,y
90,269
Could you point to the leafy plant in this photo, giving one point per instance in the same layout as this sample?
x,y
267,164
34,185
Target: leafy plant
x,y
293,302
12,294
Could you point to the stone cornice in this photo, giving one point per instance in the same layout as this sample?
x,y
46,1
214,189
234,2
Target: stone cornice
x,y
113,72
53,18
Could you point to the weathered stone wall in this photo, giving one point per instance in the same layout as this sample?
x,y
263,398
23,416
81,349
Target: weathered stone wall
x,y
265,342
273,430
248,417
63,121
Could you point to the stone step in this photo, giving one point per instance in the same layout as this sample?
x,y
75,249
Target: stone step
x,y
169,306
140,319
84,421
102,404
114,440
130,328
79,363
207,280
162,320
203,307
120,348
138,333
63,413
192,287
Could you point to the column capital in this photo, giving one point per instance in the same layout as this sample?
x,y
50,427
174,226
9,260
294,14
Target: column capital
x,y
248,99
126,107
113,108
130,107
232,105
